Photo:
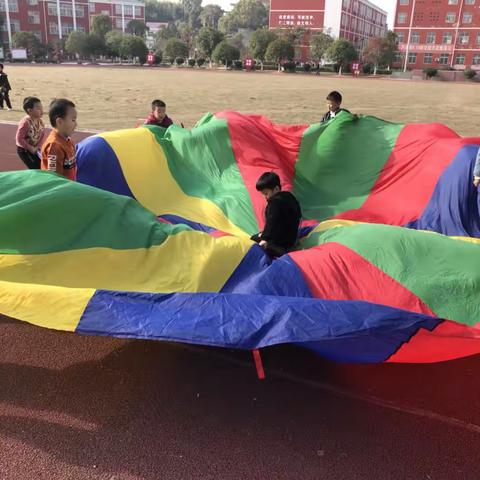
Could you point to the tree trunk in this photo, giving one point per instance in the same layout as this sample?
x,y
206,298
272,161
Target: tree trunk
x,y
340,70
375,69
261,65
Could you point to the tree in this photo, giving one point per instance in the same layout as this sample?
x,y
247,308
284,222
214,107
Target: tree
x,y
319,44
380,51
94,45
278,50
192,10
210,16
76,43
176,48
163,11
137,27
342,52
132,47
250,14
207,40
259,43
101,25
186,33
113,42
225,53
30,42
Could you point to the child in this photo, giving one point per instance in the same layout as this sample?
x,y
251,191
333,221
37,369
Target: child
x,y
30,133
159,116
476,171
282,217
4,89
58,151
334,100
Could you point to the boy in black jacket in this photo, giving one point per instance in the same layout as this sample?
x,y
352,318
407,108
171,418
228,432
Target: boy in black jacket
x,y
4,89
282,217
334,102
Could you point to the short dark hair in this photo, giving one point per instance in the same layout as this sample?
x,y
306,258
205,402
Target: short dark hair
x,y
59,109
335,97
158,103
268,180
1,65
29,103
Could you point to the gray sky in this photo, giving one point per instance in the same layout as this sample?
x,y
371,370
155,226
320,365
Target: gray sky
x,y
388,5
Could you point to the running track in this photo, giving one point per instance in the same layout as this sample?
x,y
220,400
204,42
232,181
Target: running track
x,y
74,407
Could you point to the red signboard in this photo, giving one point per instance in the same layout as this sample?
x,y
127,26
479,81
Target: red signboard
x,y
296,19
416,48
249,63
150,58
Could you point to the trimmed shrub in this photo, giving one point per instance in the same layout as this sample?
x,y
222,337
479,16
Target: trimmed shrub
x,y
238,65
368,69
191,62
469,73
430,72
179,61
200,62
290,67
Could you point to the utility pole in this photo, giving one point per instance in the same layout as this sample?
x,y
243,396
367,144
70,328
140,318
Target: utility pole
x,y
457,26
407,51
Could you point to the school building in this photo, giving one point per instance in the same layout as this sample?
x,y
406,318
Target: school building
x,y
438,33
354,20
54,19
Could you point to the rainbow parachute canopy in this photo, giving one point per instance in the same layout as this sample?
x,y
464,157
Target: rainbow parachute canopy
x,y
153,242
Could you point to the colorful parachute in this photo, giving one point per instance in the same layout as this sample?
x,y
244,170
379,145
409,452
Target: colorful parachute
x,y
153,242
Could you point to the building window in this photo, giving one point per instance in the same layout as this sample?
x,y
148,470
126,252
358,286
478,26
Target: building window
x,y
118,9
453,2
478,38
463,38
66,29
412,58
431,37
469,2
53,28
460,60
428,58
415,38
12,6
65,10
443,59
467,17
403,2
79,11
14,26
400,37
397,58
128,10
33,2
118,23
450,18
52,9
476,59
402,18
447,38
138,11
92,7
33,18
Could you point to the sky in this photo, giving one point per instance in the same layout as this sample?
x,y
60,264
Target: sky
x,y
388,5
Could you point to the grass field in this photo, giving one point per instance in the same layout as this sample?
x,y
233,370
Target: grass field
x,y
112,98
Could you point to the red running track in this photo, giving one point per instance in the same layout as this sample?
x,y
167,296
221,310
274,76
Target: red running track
x,y
75,407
